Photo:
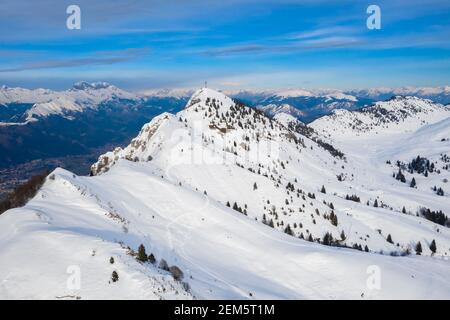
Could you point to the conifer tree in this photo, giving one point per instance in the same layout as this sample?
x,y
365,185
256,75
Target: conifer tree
x,y
389,239
288,230
327,239
433,246
418,248
142,256
334,220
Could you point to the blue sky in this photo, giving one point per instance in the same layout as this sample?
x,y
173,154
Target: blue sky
x,y
232,44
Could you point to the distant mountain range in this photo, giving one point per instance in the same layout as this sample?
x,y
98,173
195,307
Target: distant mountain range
x,y
19,106
47,127
220,201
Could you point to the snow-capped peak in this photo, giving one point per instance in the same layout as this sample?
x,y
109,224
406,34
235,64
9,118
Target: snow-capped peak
x,y
201,96
83,85
272,110
168,93
398,114
286,118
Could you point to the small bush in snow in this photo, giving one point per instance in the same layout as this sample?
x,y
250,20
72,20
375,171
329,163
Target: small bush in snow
x,y
163,265
176,272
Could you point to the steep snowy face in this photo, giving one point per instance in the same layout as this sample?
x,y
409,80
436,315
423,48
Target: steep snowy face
x,y
140,148
212,127
397,115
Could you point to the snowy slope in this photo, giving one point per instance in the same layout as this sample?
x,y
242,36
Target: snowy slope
x,y
384,139
174,188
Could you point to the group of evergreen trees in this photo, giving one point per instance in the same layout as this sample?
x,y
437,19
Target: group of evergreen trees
x,y
432,247
237,208
420,165
400,176
439,191
353,197
143,257
436,216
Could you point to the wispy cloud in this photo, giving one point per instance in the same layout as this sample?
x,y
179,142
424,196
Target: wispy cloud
x,y
97,58
321,32
310,44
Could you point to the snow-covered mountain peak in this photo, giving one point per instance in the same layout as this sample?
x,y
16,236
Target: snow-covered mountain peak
x,y
399,114
60,105
204,95
178,93
211,126
81,96
273,109
83,85
294,93
97,92
286,118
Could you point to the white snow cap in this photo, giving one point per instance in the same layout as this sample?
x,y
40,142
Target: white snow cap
x,y
83,85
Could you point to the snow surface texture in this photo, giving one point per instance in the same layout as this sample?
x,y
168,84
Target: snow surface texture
x,y
226,194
